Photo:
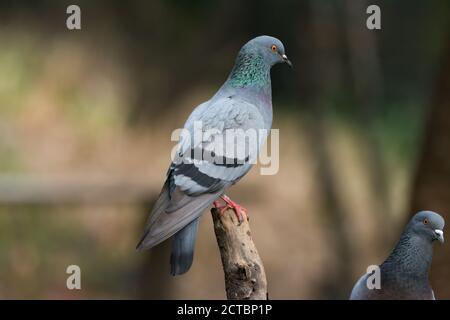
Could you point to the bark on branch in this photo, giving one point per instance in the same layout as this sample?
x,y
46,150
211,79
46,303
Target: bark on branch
x,y
245,278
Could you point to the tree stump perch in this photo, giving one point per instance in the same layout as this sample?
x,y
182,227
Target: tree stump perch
x,y
245,278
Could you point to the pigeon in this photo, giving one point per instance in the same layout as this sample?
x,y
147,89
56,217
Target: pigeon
x,y
404,274
204,168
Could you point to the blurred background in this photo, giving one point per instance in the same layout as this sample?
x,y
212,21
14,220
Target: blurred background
x,y
86,118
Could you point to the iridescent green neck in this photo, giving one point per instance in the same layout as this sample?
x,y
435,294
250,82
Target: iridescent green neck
x,y
250,70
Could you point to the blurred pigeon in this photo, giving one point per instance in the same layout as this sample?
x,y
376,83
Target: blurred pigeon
x,y
404,274
204,169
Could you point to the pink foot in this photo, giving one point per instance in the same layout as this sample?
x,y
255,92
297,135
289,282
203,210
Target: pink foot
x,y
239,210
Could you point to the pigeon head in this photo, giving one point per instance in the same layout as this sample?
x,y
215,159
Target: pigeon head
x,y
428,225
254,61
269,48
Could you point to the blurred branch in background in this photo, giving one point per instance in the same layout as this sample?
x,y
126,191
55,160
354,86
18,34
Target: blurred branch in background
x,y
76,190
325,72
431,189
367,83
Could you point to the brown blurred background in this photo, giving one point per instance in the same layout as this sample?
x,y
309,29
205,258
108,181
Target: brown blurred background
x,y
86,118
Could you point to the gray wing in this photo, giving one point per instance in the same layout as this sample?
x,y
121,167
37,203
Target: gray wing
x,y
205,168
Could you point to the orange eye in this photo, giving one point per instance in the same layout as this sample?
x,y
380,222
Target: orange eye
x,y
274,48
425,221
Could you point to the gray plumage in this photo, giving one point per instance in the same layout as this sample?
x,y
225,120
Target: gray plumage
x,y
243,102
404,274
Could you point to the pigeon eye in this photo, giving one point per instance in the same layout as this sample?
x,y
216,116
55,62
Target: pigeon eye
x,y
274,48
425,221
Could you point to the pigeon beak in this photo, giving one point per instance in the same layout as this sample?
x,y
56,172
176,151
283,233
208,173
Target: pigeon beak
x,y
439,235
286,60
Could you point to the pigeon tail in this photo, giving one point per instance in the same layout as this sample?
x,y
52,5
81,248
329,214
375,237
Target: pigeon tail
x,y
183,245
164,223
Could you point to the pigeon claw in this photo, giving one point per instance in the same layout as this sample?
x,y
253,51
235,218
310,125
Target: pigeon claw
x,y
240,211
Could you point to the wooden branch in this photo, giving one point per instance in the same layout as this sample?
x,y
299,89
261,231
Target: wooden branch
x,y
245,278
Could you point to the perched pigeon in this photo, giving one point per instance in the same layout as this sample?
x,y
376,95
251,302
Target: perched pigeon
x,y
404,274
243,102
